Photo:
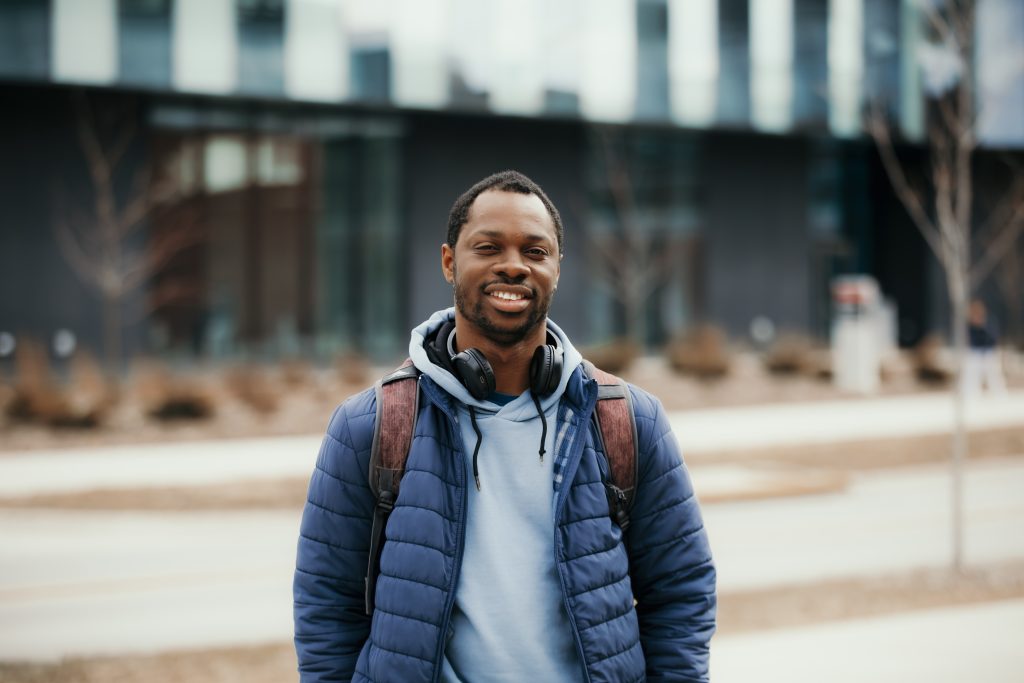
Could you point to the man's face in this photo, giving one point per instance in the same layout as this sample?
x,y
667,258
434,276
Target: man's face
x,y
505,265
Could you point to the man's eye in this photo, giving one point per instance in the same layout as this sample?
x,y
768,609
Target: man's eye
x,y
486,247
537,251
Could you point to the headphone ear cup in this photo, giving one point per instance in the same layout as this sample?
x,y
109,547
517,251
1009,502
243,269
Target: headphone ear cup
x,y
545,369
475,373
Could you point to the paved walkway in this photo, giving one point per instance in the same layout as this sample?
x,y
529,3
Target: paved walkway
x,y
113,581
211,462
979,642
831,421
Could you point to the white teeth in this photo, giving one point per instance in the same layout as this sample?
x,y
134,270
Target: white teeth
x,y
507,296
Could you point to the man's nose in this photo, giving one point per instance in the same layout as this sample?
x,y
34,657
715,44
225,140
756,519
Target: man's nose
x,y
512,265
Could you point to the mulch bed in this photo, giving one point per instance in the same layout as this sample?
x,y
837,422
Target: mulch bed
x,y
306,408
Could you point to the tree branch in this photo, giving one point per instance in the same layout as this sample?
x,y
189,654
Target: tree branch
x,y
938,22
75,255
161,252
879,130
998,247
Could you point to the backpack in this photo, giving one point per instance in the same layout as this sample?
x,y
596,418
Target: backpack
x,y
398,404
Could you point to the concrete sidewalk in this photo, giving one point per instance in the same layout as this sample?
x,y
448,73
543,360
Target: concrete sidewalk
x,y
82,582
762,426
212,462
980,642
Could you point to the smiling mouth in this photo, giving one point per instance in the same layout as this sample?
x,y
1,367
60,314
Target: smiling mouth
x,y
509,299
506,296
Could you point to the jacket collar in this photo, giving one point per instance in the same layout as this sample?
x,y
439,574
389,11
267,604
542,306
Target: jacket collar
x,y
577,393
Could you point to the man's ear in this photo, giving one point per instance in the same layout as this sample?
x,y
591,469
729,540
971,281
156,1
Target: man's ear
x,y
448,263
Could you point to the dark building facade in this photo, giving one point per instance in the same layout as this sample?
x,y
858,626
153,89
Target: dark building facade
x,y
284,170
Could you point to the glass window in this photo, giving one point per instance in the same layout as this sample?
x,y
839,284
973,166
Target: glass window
x,y
652,59
226,163
145,39
734,57
645,214
278,161
882,52
370,71
25,38
811,87
369,25
1000,79
261,46
360,272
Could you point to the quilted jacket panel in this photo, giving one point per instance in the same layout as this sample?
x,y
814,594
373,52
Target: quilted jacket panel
x,y
663,562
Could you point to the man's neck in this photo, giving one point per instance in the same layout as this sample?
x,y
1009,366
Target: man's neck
x,y
511,363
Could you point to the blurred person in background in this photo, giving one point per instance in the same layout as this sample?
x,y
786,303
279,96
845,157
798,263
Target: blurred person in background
x,y
983,363
520,572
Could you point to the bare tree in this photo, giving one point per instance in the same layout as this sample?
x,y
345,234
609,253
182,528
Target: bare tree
x,y
947,224
637,260
104,244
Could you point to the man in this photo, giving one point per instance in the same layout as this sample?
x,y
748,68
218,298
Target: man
x,y
501,560
983,363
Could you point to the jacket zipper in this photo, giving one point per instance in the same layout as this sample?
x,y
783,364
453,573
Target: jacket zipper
x,y
460,472
572,465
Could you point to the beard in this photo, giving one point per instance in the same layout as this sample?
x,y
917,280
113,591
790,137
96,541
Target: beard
x,y
475,313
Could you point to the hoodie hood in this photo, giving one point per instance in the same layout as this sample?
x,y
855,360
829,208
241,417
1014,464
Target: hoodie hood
x,y
522,408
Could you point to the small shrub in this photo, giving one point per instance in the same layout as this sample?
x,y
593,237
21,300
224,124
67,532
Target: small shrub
x,y
166,397
796,354
818,364
89,397
250,385
6,396
36,397
296,373
702,352
789,355
615,356
929,361
353,369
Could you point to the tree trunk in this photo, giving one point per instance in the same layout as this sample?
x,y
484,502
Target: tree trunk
x,y
959,300
112,332
635,316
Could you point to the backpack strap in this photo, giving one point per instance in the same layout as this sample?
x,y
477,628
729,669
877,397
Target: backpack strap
x,y
397,396
616,426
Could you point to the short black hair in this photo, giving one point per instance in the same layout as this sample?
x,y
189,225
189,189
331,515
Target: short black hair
x,y
506,181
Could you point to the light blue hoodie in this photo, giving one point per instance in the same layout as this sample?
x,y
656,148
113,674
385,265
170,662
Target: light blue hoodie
x,y
509,621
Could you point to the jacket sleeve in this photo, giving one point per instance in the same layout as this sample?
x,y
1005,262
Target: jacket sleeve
x,y
671,569
331,625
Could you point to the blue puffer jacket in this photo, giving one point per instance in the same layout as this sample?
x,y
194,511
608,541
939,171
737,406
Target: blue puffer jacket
x,y
664,561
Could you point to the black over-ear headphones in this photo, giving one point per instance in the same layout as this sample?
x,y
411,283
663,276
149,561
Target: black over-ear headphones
x,y
475,373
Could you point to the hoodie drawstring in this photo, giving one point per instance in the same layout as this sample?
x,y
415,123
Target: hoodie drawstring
x,y
480,437
543,425
476,449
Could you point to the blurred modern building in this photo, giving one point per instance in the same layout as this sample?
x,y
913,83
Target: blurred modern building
x,y
274,176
